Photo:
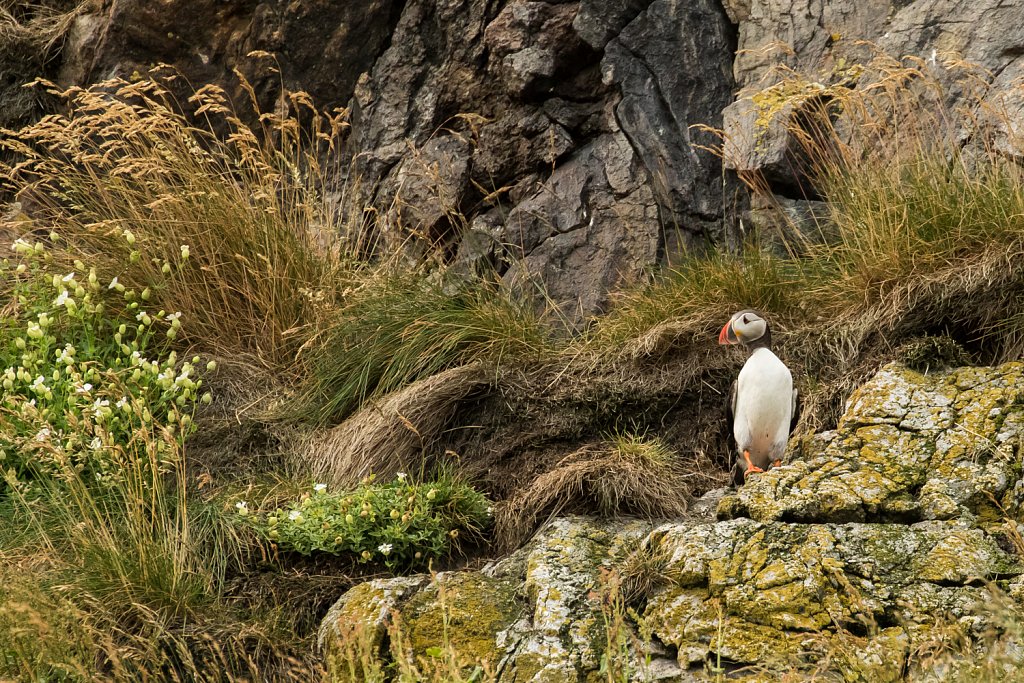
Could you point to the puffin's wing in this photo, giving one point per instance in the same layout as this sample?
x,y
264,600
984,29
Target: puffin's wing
x,y
730,411
796,411
730,408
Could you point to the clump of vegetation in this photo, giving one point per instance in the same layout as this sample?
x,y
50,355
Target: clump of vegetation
x,y
401,525
626,473
106,528
86,373
401,327
249,207
110,557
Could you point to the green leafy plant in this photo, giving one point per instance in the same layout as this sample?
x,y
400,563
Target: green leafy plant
x,y
399,524
86,371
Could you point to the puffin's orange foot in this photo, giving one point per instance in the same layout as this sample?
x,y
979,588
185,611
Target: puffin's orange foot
x,y
751,467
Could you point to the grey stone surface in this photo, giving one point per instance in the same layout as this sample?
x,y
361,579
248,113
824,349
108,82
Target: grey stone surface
x,y
822,39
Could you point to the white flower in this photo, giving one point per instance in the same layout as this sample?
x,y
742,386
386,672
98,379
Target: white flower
x,y
384,548
43,434
84,389
121,403
402,476
96,443
319,487
68,278
295,515
113,283
61,299
242,507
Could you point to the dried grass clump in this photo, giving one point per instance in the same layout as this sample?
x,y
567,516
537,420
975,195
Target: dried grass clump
x,y
627,474
393,434
38,27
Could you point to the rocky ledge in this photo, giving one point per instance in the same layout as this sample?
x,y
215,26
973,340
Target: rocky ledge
x,y
877,546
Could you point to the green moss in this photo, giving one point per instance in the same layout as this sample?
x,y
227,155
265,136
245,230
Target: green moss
x,y
464,611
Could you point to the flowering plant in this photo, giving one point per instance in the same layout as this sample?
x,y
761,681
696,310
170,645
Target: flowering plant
x,y
399,524
86,372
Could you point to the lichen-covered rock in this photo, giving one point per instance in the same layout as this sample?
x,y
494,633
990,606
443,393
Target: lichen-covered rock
x,y
367,606
537,613
463,610
777,595
910,447
878,544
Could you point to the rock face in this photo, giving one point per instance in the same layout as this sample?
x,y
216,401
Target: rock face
x,y
875,545
554,140
909,448
551,139
826,40
574,118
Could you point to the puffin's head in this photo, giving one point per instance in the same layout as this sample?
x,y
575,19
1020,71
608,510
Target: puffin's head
x,y
747,328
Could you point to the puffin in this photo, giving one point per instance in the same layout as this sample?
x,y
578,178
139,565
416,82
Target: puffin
x,y
763,402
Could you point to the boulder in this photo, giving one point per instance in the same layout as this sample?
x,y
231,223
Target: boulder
x,y
910,447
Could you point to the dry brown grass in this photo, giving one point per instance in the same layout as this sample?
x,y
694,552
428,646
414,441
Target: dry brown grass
x,y
128,181
395,433
37,26
627,474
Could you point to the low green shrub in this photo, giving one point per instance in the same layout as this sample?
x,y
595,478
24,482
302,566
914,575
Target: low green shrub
x,y
399,524
86,373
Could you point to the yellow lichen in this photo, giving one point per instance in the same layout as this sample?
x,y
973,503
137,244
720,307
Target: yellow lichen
x,y
463,611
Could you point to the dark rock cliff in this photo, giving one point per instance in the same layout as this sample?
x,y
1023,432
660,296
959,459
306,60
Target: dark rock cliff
x,y
554,140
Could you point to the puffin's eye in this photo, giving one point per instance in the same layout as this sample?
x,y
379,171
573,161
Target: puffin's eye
x,y
745,320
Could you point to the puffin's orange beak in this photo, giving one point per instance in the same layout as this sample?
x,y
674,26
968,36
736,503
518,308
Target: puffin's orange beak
x,y
723,336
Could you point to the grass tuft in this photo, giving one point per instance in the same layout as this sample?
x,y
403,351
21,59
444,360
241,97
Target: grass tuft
x,y
402,327
625,474
226,230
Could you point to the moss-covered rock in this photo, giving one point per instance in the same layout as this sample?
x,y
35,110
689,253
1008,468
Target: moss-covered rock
x,y
910,447
356,626
462,611
774,594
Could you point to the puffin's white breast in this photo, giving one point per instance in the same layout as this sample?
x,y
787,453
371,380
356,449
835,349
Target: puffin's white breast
x,y
764,406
